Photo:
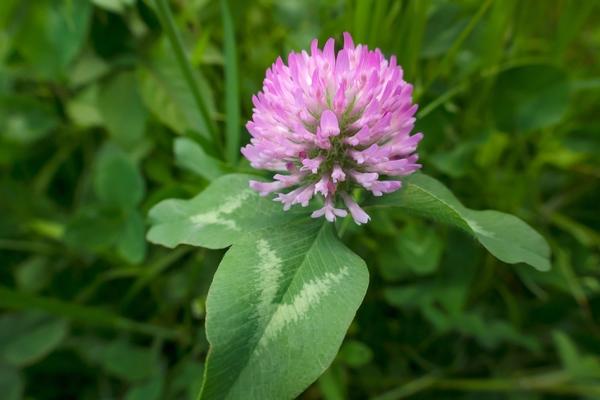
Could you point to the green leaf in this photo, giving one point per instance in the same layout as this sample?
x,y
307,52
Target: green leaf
x,y
127,361
150,390
117,6
443,28
27,338
122,109
193,85
83,108
356,354
33,274
132,244
333,383
52,35
580,366
25,119
93,229
419,247
185,383
488,332
278,309
286,280
165,92
191,156
507,237
530,97
455,162
449,287
6,11
492,149
224,212
11,383
117,180
87,69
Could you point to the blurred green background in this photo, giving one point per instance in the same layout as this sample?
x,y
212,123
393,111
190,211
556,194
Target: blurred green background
x,y
98,123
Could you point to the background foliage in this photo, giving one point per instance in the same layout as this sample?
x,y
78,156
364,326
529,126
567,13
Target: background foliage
x,y
98,124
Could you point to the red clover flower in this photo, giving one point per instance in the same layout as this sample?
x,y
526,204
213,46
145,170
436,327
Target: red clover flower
x,y
330,123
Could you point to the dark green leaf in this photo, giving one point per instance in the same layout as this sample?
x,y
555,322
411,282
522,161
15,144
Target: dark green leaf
x,y
11,383
190,155
83,108
419,248
26,338
579,366
127,361
530,97
356,354
25,119
114,5
33,274
52,34
122,109
150,390
132,242
117,180
92,229
166,94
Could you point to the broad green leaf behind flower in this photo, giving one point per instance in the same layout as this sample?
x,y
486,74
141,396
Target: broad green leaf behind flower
x,y
507,237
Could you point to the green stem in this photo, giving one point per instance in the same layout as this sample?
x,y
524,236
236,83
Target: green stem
x,y
25,246
535,384
556,382
344,226
166,18
408,389
11,299
49,170
121,273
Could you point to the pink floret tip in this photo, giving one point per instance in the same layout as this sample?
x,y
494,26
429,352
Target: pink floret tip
x,y
329,123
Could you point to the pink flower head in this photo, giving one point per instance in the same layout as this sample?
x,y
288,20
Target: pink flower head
x,y
329,123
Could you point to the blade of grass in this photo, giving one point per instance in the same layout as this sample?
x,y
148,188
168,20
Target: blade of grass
x,y
11,299
553,382
464,85
497,32
411,27
393,12
449,57
25,246
362,16
410,388
573,15
563,262
166,18
376,21
232,93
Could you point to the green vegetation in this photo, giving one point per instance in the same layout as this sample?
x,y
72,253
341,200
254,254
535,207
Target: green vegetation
x,y
109,107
